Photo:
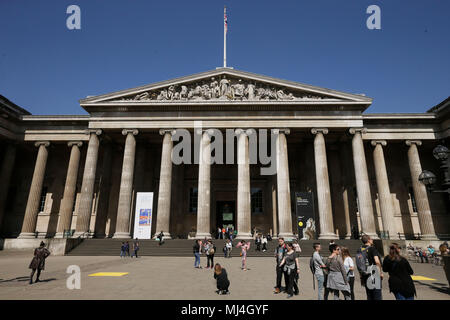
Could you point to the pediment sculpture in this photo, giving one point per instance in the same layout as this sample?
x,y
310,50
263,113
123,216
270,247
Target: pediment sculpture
x,y
222,89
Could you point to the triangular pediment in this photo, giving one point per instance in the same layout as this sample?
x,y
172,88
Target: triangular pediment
x,y
224,86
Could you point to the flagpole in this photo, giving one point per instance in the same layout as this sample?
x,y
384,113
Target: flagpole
x,y
224,37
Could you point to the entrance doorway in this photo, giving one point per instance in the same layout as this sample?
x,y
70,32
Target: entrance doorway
x,y
226,214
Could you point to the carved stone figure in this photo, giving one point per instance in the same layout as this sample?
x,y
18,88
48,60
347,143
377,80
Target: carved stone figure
x,y
224,87
250,91
215,89
171,93
238,90
162,95
281,95
184,92
142,96
206,92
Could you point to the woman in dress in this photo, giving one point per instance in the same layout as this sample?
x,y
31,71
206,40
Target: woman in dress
x,y
244,248
38,261
400,271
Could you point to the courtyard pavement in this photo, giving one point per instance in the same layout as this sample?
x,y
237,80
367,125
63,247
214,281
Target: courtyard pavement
x,y
174,278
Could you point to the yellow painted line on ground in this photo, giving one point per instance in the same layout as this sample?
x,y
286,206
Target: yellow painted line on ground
x,y
422,278
108,274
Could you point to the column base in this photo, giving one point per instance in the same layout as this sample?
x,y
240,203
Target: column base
x,y
122,235
244,236
328,236
100,236
430,237
59,235
285,235
347,237
203,235
26,235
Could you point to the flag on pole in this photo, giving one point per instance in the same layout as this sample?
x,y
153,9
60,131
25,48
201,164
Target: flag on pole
x,y
225,20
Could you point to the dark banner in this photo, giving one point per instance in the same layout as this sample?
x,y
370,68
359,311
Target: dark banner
x,y
306,221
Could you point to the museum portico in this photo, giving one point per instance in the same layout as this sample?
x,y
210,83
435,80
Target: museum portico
x,y
82,173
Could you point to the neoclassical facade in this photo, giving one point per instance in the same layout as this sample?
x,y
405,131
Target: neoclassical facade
x,y
82,173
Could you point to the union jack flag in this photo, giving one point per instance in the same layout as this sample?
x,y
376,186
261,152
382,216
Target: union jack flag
x,y
225,20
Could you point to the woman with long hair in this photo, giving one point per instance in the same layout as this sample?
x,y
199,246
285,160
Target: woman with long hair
x,y
349,269
400,271
220,274
291,268
197,249
337,279
244,248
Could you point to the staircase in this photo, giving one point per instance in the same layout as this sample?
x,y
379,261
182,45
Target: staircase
x,y
183,248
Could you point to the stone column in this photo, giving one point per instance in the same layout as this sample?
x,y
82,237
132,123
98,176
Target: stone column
x,y
5,177
165,184
420,192
243,188
126,186
323,185
274,206
204,188
347,192
31,211
87,186
362,184
283,189
66,209
105,191
384,193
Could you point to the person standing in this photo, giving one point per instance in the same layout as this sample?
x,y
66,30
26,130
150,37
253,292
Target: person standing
x,y
244,248
127,248
400,271
337,277
319,266
264,243
123,250
135,248
297,248
258,243
219,232
349,269
372,275
223,233
197,249
38,261
291,268
210,250
220,274
280,252
229,247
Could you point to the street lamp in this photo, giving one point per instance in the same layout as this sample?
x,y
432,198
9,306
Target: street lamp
x,y
429,179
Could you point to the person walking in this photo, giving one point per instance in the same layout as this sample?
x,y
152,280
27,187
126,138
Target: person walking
x,y
319,267
400,271
161,237
245,246
264,244
229,247
197,249
349,269
369,266
127,248
135,248
291,268
220,274
280,252
38,261
337,277
219,232
123,250
210,250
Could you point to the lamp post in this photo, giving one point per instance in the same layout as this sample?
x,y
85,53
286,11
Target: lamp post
x,y
429,179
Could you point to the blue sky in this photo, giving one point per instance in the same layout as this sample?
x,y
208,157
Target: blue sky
x,y
46,68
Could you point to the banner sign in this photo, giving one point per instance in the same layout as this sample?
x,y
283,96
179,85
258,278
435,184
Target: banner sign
x,y
143,215
306,221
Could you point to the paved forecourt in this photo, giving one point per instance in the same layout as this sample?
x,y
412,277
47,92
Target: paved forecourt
x,y
172,278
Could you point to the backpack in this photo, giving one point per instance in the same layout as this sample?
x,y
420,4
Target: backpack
x,y
362,260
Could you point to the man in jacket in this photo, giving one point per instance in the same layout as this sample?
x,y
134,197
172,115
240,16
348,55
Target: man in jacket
x,y
280,253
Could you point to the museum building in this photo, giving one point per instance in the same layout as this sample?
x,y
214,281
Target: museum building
x,y
78,176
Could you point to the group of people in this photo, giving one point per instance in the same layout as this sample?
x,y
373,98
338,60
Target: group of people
x,y
125,249
226,233
207,247
427,254
337,272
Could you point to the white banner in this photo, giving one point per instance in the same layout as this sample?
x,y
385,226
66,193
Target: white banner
x,y
143,215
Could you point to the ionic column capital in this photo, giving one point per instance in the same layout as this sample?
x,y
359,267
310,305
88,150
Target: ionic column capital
x,y
357,130
319,130
201,131
164,131
75,143
132,131
375,142
244,131
411,142
42,143
96,131
283,130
